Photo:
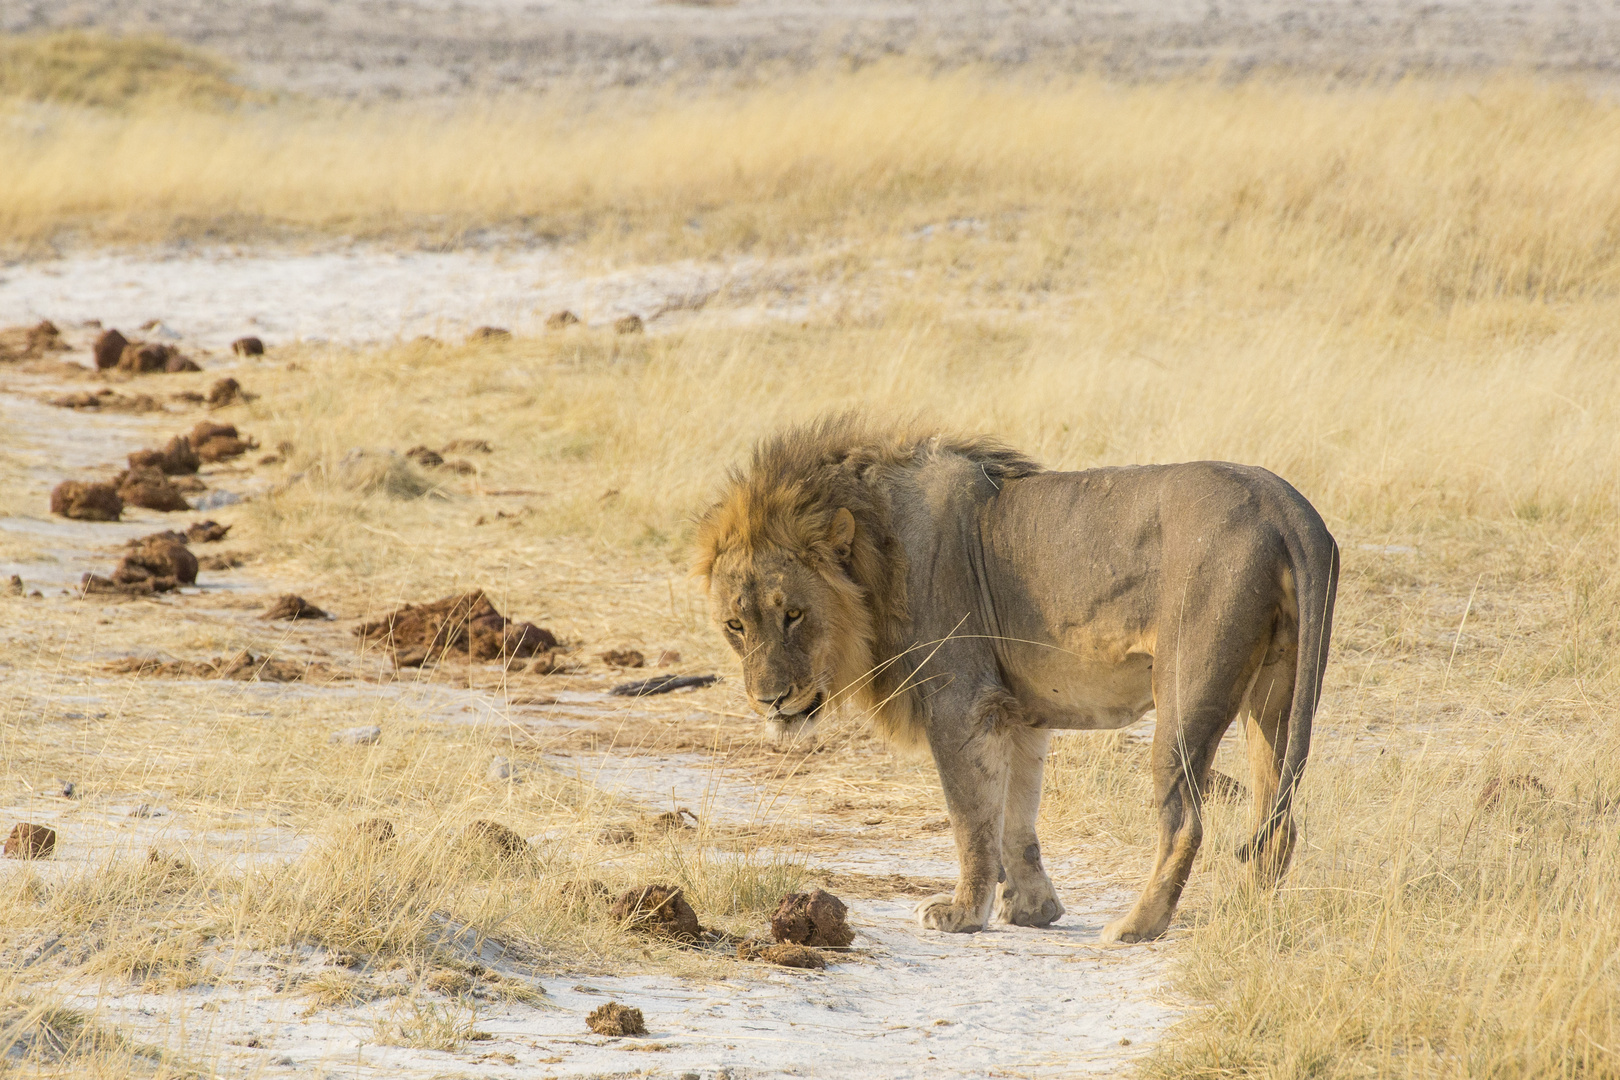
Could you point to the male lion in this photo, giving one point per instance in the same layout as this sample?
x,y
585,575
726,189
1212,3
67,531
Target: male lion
x,y
975,602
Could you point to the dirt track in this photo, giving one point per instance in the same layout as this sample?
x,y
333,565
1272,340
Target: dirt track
x,y
388,48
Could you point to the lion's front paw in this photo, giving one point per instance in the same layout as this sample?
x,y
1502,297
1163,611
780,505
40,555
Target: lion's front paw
x,y
944,913
1128,931
1034,905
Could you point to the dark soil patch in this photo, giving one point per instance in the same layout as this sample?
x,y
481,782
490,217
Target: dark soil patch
x,y
466,626
292,606
813,918
616,1020
659,911
87,502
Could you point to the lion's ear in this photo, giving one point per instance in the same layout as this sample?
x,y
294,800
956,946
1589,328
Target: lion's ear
x,y
842,533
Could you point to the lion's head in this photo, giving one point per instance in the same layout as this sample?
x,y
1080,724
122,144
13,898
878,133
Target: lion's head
x,y
791,613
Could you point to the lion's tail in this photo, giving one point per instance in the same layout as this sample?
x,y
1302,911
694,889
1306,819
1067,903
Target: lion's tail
x,y
1315,559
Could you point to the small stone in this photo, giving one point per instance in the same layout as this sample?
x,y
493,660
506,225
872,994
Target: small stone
x,y
559,320
357,736
67,790
499,769
630,324
247,346
28,841
616,1020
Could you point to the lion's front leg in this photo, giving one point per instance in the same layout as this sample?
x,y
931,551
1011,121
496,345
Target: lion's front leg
x,y
973,766
1026,896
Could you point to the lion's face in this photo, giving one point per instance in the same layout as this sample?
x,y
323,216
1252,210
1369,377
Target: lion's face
x,y
781,618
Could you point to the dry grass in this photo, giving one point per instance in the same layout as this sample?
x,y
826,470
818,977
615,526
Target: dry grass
x,y
1401,299
72,67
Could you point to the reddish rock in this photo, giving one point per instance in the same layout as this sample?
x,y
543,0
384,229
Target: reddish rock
x,y
87,502
30,842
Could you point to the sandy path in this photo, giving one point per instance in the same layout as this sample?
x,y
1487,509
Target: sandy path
x,y
907,1003
391,48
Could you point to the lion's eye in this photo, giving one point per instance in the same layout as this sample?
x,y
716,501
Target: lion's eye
x,y
794,614
735,626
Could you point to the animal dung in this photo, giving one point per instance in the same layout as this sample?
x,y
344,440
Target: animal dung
x,y
108,349
292,606
206,532
28,841
177,458
150,489
496,837
616,1020
1499,787
813,918
227,391
785,955
87,502
376,830
658,911
559,320
219,442
623,658
31,342
465,626
630,324
247,346
489,335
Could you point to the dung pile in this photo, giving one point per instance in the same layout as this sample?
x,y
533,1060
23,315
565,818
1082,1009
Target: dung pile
x,y
177,458
157,563
785,955
616,1020
658,911
240,667
87,502
292,606
813,918
150,487
150,358
465,626
107,400
30,342
219,442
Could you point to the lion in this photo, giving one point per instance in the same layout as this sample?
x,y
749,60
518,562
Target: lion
x,y
974,603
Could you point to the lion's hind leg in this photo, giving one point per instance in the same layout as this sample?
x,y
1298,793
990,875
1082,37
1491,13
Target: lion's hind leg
x,y
1026,896
1265,717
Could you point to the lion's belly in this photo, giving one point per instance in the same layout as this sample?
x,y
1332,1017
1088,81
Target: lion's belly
x,y
1061,690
